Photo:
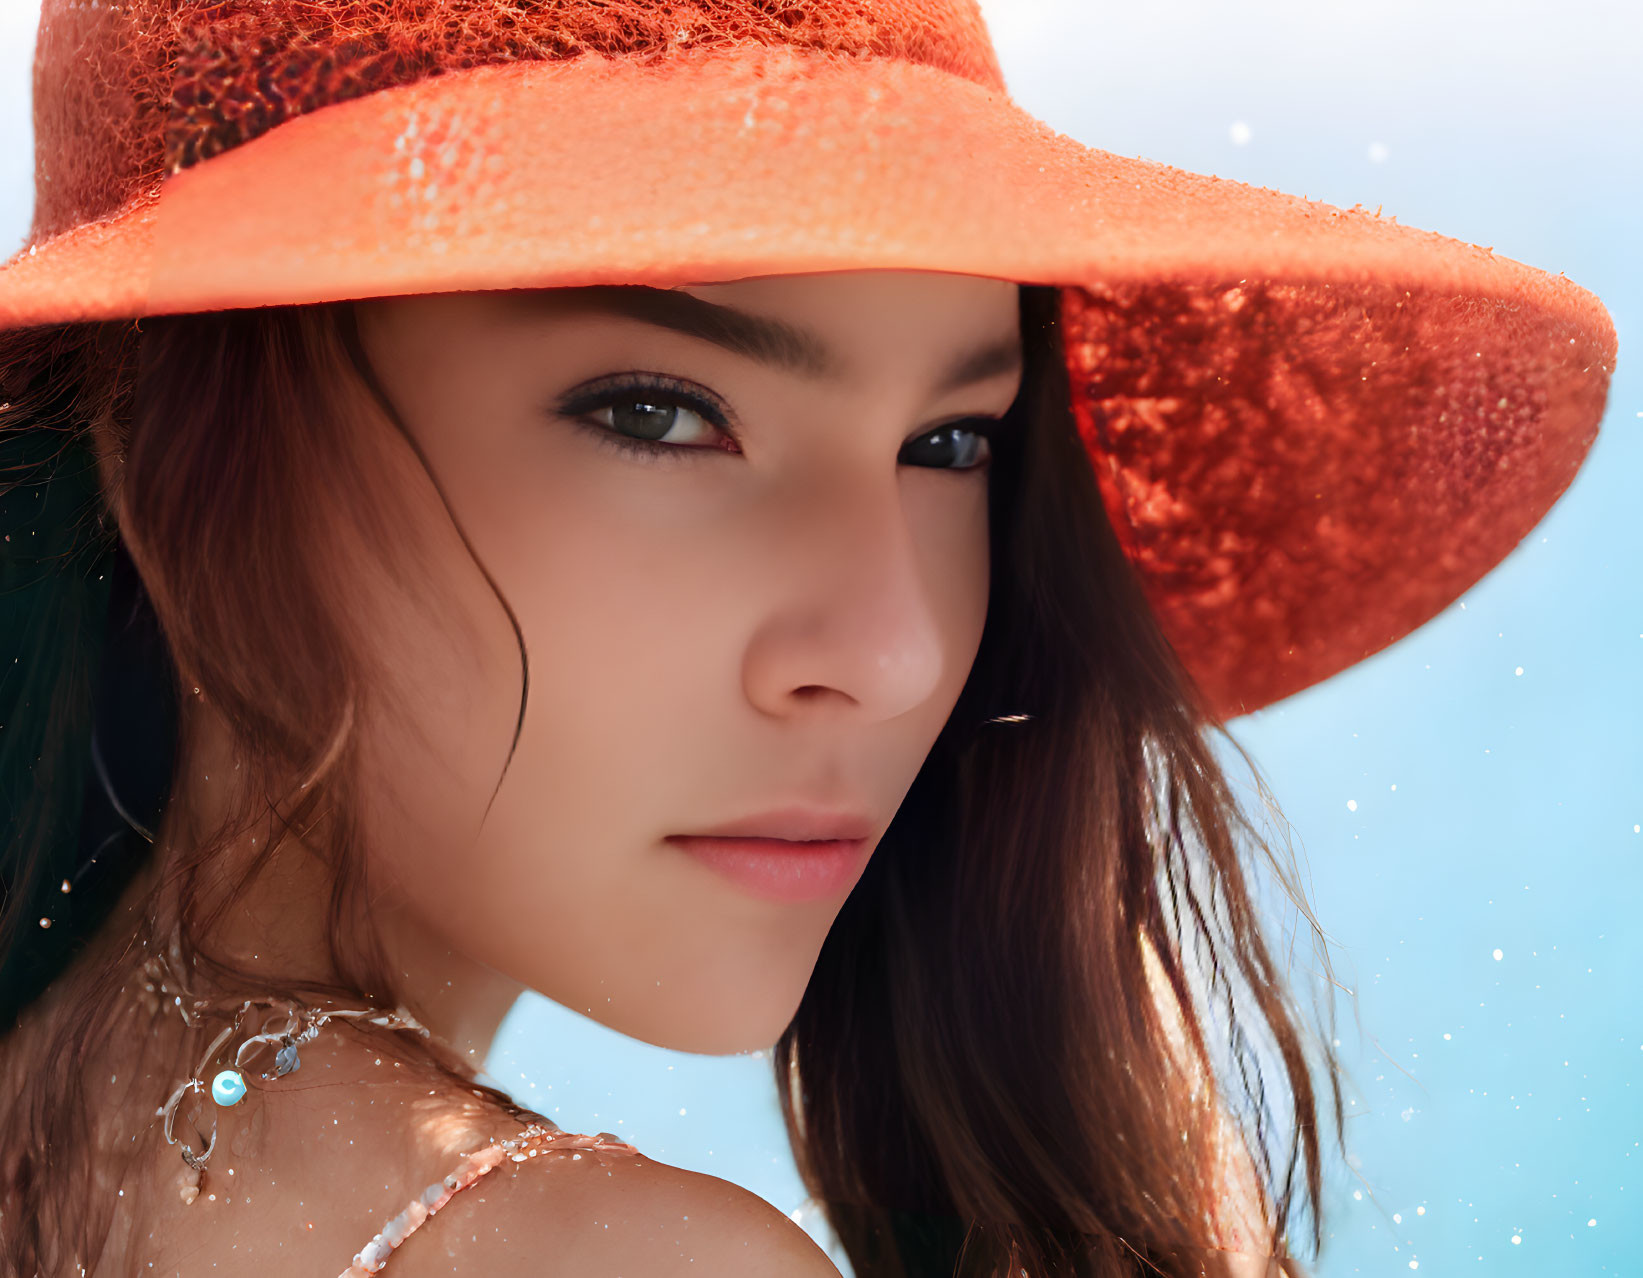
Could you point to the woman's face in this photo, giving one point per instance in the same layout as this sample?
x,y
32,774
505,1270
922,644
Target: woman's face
x,y
743,529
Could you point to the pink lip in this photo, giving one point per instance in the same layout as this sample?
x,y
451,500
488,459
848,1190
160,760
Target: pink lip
x,y
781,869
795,825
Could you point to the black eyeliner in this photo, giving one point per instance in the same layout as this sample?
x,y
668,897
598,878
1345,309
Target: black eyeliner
x,y
577,404
600,393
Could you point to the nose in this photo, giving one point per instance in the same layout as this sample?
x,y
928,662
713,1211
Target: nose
x,y
854,629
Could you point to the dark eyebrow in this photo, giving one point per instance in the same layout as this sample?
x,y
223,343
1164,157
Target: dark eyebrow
x,y
769,341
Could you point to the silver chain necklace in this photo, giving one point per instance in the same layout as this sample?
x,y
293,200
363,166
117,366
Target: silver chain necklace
x,y
228,1083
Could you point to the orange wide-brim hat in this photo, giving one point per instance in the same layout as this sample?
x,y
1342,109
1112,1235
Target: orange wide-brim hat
x,y
1312,428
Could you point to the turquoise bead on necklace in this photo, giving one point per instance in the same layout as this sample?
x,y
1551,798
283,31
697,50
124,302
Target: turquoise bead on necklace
x,y
228,1088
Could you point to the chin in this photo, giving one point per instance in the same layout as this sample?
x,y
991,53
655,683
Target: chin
x,y
716,1035
719,1021
722,1040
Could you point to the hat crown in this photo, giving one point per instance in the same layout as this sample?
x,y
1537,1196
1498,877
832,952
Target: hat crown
x,y
126,94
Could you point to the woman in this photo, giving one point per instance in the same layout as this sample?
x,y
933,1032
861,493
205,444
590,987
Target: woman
x,y
588,498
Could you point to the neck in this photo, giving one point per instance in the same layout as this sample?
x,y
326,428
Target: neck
x,y
278,923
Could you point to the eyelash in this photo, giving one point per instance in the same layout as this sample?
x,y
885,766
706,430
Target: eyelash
x,y
654,388
671,391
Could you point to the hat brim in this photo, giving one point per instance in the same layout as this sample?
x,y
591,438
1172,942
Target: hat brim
x,y
1313,428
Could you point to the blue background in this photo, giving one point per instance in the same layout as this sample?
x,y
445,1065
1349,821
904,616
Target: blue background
x,y
1467,805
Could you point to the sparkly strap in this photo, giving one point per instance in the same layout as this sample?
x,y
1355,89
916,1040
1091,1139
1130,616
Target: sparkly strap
x,y
533,1140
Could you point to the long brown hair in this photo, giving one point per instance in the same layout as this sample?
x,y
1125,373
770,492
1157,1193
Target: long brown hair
x,y
1038,1018
982,1076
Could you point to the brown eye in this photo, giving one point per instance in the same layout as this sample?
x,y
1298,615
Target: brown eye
x,y
653,421
651,413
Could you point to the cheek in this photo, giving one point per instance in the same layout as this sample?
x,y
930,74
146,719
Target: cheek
x,y
636,607
632,731
950,531
614,662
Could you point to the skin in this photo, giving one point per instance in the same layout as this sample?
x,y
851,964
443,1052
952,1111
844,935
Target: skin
x,y
713,633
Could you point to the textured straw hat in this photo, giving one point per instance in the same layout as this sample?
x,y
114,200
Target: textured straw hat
x,y
1313,428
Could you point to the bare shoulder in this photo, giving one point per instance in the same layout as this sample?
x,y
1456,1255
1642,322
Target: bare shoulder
x,y
616,1214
